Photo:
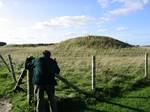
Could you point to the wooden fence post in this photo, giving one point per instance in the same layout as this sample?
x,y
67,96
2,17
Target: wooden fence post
x,y
21,77
12,68
30,88
93,74
70,84
146,65
5,63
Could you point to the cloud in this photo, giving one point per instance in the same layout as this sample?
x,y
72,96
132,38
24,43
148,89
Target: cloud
x,y
103,3
121,29
102,30
103,20
70,34
45,31
123,7
119,8
1,3
64,22
3,21
128,6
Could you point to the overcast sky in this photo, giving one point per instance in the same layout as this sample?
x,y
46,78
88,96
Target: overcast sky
x,y
48,21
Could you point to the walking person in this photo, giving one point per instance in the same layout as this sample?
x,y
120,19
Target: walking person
x,y
44,70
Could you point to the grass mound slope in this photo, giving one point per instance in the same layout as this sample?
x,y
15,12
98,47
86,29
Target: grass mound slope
x,y
94,42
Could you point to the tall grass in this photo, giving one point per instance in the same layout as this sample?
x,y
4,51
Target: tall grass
x,y
114,68
111,64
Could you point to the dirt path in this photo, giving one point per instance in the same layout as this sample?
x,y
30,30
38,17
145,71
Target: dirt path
x,y
5,105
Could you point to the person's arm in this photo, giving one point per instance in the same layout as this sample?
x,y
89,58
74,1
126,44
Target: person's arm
x,y
29,62
57,69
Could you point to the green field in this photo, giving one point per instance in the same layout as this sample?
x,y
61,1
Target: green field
x,y
121,86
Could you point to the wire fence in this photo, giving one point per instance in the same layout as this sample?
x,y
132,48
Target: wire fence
x,y
109,67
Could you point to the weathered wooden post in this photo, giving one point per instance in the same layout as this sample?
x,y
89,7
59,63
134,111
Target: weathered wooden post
x,y
94,74
12,68
5,63
70,84
146,65
30,88
21,77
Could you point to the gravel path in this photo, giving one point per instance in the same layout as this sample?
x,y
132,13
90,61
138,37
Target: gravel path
x,y
5,105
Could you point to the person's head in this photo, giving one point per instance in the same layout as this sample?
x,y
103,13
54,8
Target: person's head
x,y
46,53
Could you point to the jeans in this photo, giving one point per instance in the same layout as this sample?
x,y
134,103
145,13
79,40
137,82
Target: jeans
x,y
39,92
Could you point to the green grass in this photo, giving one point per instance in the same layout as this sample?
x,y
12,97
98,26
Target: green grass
x,y
135,101
18,100
118,70
93,42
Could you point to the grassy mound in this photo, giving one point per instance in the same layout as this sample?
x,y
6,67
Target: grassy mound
x,y
94,42
118,78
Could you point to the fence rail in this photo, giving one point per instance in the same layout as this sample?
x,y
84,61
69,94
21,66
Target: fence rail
x,y
94,64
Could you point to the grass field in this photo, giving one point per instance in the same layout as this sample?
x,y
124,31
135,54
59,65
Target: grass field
x,y
119,77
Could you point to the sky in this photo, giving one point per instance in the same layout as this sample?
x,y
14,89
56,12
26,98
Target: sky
x,y
51,21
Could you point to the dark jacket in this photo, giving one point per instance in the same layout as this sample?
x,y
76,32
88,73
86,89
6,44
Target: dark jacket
x,y
43,70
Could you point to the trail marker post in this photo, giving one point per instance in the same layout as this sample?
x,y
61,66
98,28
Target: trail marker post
x,y
146,65
30,88
5,63
94,74
12,68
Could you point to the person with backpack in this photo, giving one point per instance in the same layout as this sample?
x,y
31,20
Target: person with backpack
x,y
44,70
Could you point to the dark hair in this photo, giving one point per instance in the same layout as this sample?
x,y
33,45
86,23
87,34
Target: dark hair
x,y
47,53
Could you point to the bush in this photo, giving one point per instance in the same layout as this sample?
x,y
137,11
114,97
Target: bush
x,y
3,43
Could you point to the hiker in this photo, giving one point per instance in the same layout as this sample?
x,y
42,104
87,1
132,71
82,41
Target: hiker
x,y
44,70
